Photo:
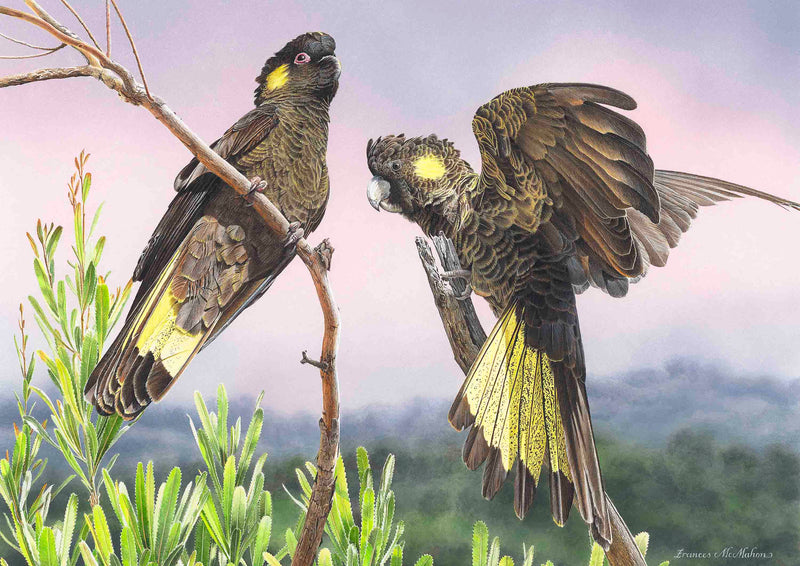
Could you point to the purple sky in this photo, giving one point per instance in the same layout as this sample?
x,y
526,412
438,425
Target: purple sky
x,y
717,93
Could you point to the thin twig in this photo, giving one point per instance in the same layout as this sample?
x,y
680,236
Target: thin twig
x,y
26,44
46,22
48,52
108,28
80,20
306,360
133,46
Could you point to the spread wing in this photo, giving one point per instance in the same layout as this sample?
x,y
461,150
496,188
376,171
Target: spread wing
x,y
557,160
200,282
555,148
196,186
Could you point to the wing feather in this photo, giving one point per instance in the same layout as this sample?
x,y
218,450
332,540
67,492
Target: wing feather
x,y
552,151
196,187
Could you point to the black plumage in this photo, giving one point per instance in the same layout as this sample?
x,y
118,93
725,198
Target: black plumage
x,y
567,198
211,256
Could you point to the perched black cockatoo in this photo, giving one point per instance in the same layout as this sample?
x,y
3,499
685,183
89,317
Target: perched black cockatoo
x,y
566,198
212,256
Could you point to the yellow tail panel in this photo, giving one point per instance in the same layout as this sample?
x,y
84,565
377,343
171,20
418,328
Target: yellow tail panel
x,y
511,392
159,334
164,339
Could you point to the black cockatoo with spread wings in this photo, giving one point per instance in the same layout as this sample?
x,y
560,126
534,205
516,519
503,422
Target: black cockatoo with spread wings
x,y
211,256
566,198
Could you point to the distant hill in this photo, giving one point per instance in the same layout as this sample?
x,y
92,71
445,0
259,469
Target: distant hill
x,y
643,406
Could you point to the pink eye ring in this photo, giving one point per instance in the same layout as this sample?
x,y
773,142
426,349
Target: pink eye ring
x,y
302,59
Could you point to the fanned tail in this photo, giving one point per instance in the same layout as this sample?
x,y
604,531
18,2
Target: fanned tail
x,y
529,412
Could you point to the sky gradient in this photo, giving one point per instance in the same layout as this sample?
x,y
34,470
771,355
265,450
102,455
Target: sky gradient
x,y
717,91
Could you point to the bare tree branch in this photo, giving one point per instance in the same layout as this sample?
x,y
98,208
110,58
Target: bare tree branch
x,y
319,506
48,74
133,47
44,21
317,260
26,44
48,52
461,325
108,28
80,20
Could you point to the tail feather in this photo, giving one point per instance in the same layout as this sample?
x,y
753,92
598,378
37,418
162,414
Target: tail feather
x,y
586,479
708,190
561,495
529,412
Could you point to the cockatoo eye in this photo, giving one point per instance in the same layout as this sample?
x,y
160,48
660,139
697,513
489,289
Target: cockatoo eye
x,y
395,166
302,59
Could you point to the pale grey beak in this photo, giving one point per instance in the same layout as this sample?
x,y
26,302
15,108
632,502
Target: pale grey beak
x,y
378,193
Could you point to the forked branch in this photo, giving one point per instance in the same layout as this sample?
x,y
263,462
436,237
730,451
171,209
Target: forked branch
x,y
466,336
115,76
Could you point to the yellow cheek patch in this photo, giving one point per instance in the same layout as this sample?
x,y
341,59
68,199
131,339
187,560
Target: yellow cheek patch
x,y
277,78
429,167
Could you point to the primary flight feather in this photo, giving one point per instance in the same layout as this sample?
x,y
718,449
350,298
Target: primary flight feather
x,y
566,198
211,256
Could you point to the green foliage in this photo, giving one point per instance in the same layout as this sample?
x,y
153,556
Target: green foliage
x,y
155,527
372,541
75,326
237,518
484,555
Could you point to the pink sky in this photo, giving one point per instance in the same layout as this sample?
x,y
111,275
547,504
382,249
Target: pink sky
x,y
717,96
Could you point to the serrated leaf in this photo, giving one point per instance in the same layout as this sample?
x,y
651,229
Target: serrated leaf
x,y
127,548
46,545
202,544
494,552
222,418
528,554
397,556
425,560
95,219
367,517
325,558
228,485
101,533
238,508
52,241
291,542
68,527
261,542
45,286
480,544
86,554
598,556
87,184
164,511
